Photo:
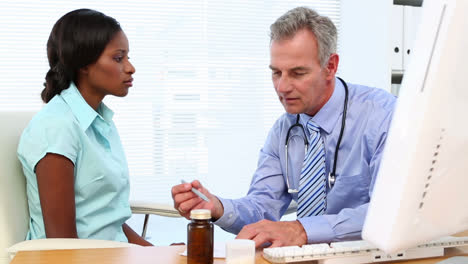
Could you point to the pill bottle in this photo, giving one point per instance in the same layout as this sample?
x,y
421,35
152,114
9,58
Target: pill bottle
x,y
200,237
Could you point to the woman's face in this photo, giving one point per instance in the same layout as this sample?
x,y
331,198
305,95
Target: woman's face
x,y
111,73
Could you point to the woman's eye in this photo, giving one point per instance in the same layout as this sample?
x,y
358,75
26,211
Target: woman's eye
x,y
118,59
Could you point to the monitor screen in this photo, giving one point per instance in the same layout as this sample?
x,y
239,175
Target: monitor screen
x,y
421,190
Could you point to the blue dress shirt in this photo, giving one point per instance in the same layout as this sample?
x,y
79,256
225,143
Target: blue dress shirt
x,y
68,126
367,122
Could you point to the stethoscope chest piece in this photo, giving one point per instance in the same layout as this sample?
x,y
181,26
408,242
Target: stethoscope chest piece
x,y
331,180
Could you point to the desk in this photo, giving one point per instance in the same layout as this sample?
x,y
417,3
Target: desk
x,y
153,255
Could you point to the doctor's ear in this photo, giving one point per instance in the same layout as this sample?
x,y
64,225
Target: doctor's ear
x,y
332,65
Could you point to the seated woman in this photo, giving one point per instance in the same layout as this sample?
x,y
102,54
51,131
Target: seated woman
x,y
72,157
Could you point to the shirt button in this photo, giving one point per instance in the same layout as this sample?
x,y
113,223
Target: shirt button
x,y
230,215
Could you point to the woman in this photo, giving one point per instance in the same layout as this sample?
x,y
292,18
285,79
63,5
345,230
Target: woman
x,y
72,157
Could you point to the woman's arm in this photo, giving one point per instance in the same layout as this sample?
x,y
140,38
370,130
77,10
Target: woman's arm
x,y
133,237
55,182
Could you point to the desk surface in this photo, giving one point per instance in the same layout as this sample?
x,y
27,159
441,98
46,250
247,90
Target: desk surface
x,y
143,255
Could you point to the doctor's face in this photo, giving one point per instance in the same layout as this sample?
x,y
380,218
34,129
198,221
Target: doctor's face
x,y
302,85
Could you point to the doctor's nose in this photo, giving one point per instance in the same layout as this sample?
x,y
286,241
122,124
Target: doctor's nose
x,y
283,84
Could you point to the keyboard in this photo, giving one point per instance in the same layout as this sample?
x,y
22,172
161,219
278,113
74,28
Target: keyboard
x,y
358,252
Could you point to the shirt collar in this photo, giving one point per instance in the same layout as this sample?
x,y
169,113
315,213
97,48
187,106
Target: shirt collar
x,y
329,114
83,112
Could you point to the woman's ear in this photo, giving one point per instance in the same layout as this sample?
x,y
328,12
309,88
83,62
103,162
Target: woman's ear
x,y
84,70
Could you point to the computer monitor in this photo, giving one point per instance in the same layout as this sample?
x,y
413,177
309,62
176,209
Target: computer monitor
x,y
421,190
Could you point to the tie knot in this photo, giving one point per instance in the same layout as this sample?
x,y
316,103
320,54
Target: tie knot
x,y
312,126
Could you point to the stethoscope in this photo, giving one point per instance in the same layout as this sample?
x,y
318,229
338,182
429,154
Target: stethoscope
x,y
332,174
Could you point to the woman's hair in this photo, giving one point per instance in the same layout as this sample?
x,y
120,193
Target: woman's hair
x,y
305,18
77,40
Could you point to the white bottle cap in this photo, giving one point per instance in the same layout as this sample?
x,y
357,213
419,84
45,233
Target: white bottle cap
x,y
240,251
200,214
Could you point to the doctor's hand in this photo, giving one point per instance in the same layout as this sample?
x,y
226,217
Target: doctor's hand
x,y
279,234
185,200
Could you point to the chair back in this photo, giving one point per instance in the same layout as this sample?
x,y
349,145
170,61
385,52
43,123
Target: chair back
x,y
14,214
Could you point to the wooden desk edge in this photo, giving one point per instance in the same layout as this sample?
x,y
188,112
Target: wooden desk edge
x,y
165,254
140,255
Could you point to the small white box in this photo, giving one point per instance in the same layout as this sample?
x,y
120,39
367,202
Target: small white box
x,y
240,251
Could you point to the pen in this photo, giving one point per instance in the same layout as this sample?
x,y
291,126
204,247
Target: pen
x,y
197,192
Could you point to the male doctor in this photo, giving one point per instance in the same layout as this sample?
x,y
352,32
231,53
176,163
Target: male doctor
x,y
333,117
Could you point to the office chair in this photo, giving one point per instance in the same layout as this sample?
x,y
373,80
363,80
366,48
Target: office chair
x,y
14,214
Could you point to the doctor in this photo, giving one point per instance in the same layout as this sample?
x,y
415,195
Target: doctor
x,y
325,116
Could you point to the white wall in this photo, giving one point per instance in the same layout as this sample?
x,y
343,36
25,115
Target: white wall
x,y
365,42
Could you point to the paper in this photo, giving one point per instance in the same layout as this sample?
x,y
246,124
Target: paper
x,y
219,250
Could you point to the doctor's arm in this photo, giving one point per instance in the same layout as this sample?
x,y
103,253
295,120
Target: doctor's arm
x,y
261,202
256,215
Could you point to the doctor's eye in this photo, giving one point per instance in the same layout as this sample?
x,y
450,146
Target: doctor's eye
x,y
299,73
276,73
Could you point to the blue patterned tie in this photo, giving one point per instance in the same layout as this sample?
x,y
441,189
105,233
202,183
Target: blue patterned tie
x,y
312,190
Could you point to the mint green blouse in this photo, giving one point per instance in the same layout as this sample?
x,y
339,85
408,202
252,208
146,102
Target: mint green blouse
x,y
68,126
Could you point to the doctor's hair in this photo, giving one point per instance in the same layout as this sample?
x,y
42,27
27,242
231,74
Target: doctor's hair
x,y
77,39
286,26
